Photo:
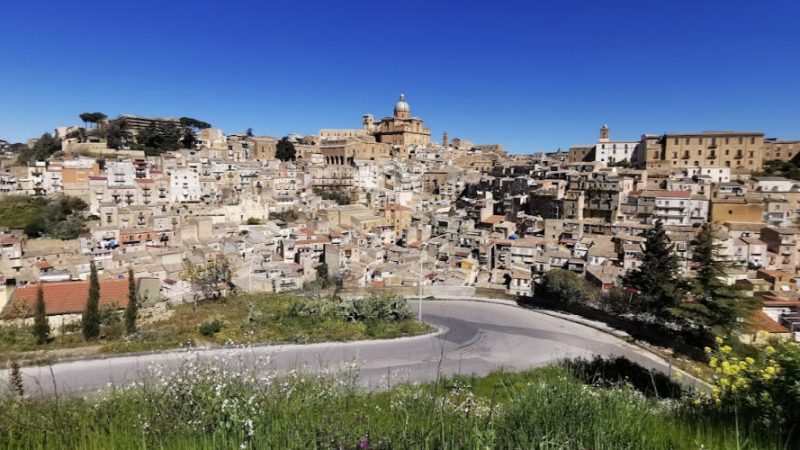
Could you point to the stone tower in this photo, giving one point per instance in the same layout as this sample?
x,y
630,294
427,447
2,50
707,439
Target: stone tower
x,y
605,133
369,122
444,139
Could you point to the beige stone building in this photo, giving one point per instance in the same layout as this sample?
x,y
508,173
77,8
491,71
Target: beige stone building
x,y
780,150
742,152
400,129
264,147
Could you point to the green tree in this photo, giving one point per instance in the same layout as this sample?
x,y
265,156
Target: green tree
x,y
155,140
564,286
285,150
41,327
91,315
117,136
132,309
92,117
657,281
715,306
322,274
85,118
44,147
207,278
189,122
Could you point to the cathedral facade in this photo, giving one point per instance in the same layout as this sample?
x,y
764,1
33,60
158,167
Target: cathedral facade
x,y
400,129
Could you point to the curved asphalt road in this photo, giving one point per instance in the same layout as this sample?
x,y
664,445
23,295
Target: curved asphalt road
x,y
474,338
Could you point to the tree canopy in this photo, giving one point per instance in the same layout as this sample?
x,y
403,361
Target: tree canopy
x,y
42,149
657,282
92,117
715,307
285,150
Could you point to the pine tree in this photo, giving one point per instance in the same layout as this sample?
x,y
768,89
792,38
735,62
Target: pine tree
x,y
41,327
716,307
657,280
133,305
91,316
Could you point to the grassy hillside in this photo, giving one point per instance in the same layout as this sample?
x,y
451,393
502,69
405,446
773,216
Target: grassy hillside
x,y
205,408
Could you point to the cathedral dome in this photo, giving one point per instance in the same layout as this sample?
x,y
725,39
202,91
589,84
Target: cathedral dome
x,y
401,104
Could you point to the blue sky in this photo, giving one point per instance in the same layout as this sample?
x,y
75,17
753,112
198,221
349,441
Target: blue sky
x,y
531,76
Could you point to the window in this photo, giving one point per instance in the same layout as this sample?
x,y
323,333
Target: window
x,y
700,141
676,141
752,140
727,140
687,141
713,141
741,140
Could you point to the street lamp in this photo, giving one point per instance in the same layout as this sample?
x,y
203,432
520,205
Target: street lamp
x,y
421,255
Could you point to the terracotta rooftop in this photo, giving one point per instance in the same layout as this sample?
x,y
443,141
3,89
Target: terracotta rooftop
x,y
493,219
42,265
68,297
396,207
759,321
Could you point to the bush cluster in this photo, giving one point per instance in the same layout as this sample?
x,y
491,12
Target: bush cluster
x,y
211,327
372,308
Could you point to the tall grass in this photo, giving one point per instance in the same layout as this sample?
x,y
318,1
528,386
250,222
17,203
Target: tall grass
x,y
223,405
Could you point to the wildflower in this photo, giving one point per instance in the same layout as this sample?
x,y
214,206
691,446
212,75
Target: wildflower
x,y
713,362
750,360
770,349
718,340
725,349
707,349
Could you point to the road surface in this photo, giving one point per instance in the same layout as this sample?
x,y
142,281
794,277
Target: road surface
x,y
474,338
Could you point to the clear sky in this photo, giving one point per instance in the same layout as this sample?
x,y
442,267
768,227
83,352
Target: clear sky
x,y
532,75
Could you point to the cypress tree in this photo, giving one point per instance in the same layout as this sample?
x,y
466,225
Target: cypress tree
x,y
133,305
41,327
715,306
91,316
659,287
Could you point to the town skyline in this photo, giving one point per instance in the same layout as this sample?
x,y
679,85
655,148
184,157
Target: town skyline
x,y
532,79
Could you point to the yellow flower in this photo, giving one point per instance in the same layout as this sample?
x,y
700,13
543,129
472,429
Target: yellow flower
x,y
750,360
725,349
707,349
698,371
724,382
713,362
770,349
718,340
679,375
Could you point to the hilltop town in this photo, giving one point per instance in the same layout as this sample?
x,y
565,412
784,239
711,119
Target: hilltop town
x,y
384,206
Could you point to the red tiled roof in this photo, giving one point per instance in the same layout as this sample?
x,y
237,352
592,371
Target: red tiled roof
x,y
493,219
759,321
68,297
396,207
97,177
41,265
143,180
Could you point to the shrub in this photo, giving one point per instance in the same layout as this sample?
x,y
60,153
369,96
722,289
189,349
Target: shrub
x,y
372,308
764,389
211,327
253,221
609,372
564,286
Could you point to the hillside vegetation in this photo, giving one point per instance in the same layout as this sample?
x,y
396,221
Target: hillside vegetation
x,y
205,407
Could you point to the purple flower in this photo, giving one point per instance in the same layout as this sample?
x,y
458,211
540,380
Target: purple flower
x,y
363,443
